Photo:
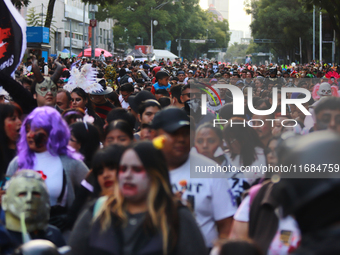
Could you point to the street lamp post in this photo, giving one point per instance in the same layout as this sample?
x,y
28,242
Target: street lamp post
x,y
141,39
154,22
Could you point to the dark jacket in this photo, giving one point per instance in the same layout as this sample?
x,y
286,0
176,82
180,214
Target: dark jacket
x,y
263,222
87,237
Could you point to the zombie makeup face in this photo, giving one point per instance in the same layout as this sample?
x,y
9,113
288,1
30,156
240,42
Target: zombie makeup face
x,y
134,182
26,194
47,86
324,90
36,139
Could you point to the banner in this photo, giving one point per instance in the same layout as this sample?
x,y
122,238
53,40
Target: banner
x,y
12,37
168,45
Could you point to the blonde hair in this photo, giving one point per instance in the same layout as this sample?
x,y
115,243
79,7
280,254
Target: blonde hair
x,y
161,213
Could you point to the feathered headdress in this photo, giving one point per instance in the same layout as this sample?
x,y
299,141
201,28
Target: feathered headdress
x,y
330,75
85,79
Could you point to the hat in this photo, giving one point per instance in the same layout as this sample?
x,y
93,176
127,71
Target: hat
x,y
128,71
191,71
136,100
106,90
161,74
239,82
180,72
170,119
217,75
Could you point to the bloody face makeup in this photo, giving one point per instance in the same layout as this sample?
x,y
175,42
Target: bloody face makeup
x,y
36,139
134,182
12,127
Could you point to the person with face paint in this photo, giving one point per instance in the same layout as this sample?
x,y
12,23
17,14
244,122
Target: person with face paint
x,y
142,217
27,194
45,89
43,146
10,124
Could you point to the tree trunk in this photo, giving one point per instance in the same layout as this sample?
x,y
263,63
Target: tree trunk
x,y
49,15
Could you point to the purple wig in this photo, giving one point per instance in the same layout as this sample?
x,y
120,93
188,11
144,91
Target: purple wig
x,y
58,132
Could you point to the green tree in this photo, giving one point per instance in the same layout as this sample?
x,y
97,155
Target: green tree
x,y
34,20
236,53
285,21
332,7
185,20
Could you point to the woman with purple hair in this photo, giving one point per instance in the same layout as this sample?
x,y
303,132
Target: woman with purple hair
x,y
43,146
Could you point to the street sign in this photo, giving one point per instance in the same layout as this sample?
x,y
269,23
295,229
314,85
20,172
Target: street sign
x,y
211,41
196,41
266,41
93,23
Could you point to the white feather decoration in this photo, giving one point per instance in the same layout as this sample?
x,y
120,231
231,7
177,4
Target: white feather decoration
x,y
85,79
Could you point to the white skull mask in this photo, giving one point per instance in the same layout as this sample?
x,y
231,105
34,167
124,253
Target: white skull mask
x,y
213,101
324,90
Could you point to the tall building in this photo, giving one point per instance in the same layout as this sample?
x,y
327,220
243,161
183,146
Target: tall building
x,y
222,6
236,36
68,19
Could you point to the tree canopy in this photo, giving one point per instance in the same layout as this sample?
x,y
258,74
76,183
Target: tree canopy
x,y
284,21
331,7
176,20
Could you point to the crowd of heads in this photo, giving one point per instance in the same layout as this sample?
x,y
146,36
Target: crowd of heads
x,y
132,126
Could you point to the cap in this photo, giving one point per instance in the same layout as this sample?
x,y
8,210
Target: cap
x,y
180,72
170,119
239,82
191,71
161,74
136,100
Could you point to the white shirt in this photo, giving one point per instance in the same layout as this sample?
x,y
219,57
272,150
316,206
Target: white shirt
x,y
211,197
250,176
287,235
124,104
52,167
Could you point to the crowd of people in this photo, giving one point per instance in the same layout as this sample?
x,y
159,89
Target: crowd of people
x,y
97,155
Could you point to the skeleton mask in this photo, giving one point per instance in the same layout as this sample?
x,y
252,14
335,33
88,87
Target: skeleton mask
x,y
324,90
213,101
193,105
46,86
26,193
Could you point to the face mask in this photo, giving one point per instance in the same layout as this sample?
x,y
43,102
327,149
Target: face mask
x,y
26,194
47,86
193,105
324,90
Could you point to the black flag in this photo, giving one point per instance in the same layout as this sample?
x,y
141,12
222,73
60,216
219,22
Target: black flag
x,y
12,37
